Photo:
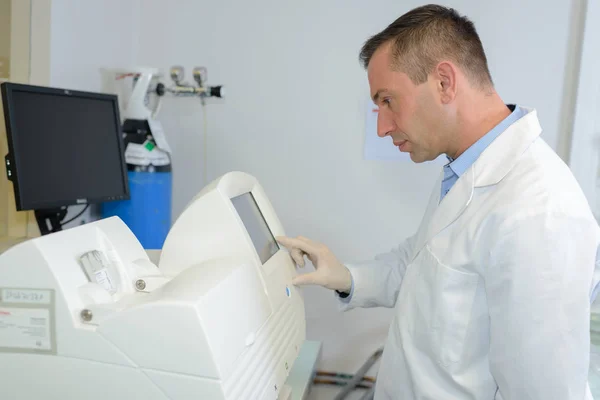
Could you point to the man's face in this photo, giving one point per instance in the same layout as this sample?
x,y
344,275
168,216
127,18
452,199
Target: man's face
x,y
411,114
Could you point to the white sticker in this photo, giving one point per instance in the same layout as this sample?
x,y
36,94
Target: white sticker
x,y
159,158
158,134
104,280
138,154
25,296
25,328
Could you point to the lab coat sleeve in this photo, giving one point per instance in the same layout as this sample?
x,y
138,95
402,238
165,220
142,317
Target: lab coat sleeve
x,y
376,283
538,284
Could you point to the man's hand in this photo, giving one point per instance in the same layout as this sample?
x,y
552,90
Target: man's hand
x,y
329,272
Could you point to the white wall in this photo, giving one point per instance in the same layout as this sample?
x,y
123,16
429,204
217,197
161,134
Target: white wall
x,y
293,115
89,35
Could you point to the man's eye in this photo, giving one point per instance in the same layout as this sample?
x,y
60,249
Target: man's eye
x,y
386,101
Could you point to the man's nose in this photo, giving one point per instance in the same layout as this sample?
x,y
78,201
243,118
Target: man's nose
x,y
385,124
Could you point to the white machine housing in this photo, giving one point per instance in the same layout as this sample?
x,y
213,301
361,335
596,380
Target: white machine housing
x,y
216,319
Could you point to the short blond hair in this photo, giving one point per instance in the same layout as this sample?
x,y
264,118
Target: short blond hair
x,y
427,35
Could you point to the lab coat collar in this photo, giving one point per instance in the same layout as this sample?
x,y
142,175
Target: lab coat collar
x,y
500,157
493,164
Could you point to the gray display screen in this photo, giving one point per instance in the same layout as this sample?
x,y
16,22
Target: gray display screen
x,y
260,234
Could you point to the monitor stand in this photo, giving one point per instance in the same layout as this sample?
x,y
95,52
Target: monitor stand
x,y
49,220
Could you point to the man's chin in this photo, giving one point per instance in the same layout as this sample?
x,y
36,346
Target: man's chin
x,y
420,158
416,158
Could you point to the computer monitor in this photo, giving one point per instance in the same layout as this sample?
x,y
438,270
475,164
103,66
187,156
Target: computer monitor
x,y
65,148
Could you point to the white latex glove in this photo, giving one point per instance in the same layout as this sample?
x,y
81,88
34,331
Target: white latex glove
x,y
329,272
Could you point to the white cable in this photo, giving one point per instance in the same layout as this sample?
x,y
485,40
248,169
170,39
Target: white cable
x,y
205,151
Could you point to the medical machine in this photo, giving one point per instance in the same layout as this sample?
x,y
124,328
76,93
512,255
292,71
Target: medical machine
x,y
85,313
65,148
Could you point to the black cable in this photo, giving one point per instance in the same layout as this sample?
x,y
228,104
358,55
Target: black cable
x,y
341,375
63,223
333,382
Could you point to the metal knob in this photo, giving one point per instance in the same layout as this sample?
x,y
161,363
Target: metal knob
x,y
177,74
140,284
86,315
199,74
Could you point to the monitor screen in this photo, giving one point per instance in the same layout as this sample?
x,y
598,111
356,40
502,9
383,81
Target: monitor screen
x,y
66,146
260,234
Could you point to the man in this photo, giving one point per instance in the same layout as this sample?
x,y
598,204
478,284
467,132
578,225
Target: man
x,y
492,293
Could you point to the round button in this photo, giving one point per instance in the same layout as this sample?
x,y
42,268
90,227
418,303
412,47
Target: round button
x,y
250,339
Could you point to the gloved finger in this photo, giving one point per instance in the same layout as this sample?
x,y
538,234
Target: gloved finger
x,y
309,246
306,279
292,243
285,241
297,256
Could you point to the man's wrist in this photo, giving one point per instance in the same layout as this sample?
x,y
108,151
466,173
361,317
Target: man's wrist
x,y
347,291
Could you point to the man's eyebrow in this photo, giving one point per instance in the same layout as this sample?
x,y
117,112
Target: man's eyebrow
x,y
376,96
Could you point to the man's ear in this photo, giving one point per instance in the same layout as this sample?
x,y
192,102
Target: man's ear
x,y
445,75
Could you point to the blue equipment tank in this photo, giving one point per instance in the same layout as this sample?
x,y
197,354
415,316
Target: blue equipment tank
x,y
148,211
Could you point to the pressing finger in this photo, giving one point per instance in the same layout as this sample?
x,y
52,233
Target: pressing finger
x,y
291,243
308,246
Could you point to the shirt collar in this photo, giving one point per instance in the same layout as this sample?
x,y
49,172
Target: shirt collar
x,y
466,159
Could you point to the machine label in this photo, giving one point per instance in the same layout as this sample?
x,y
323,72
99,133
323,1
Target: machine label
x,y
25,328
29,296
27,321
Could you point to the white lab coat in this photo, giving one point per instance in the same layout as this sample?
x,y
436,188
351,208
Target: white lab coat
x,y
492,294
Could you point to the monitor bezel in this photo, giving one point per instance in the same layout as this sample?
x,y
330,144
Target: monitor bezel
x,y
7,90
